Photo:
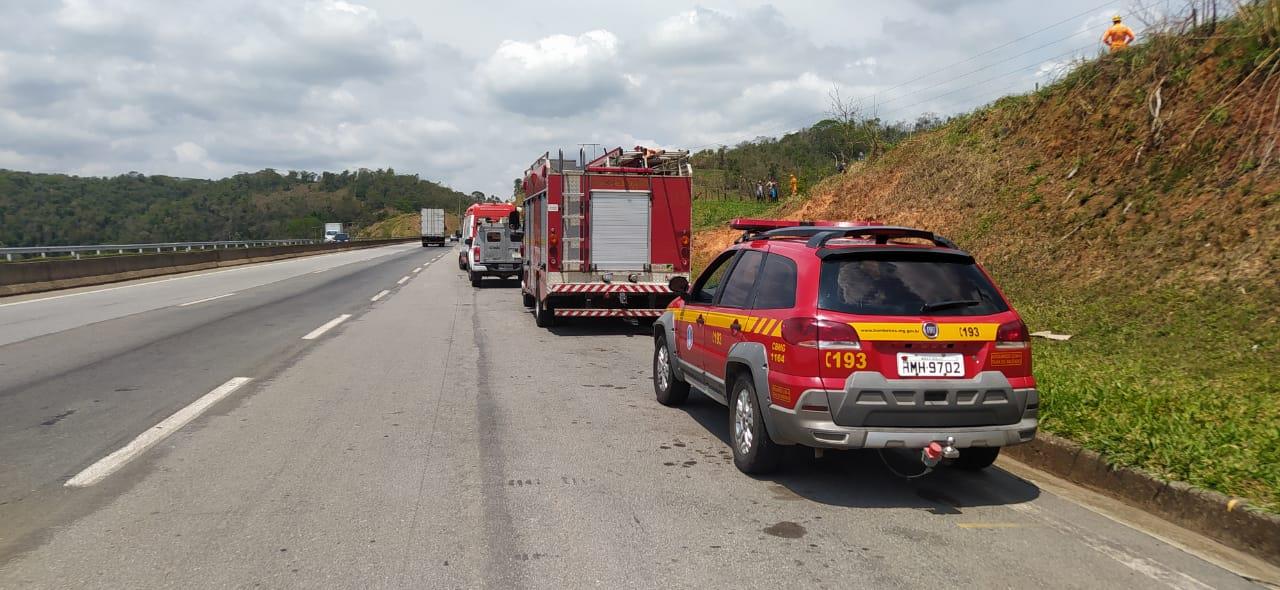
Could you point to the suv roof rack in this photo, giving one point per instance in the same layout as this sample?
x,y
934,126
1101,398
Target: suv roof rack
x,y
820,235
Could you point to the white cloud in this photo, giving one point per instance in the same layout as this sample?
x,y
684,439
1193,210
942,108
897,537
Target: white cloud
x,y
188,153
555,76
467,93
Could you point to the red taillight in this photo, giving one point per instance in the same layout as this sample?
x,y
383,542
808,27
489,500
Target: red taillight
x,y
475,252
1013,335
816,333
553,239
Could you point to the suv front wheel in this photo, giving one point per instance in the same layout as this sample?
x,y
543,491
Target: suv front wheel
x,y
753,451
669,389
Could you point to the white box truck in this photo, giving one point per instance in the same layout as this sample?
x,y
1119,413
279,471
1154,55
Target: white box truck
x,y
331,231
432,227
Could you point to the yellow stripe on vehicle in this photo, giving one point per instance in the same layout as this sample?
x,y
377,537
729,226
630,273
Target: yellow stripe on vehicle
x,y
914,332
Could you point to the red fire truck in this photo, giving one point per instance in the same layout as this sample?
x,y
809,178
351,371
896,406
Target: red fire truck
x,y
603,237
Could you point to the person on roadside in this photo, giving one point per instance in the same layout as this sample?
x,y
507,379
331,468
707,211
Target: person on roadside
x,y
773,191
795,185
1118,36
760,190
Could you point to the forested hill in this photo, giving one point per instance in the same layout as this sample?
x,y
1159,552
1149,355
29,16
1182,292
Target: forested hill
x,y
56,209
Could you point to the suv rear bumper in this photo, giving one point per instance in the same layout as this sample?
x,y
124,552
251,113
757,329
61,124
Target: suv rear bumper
x,y
817,429
502,269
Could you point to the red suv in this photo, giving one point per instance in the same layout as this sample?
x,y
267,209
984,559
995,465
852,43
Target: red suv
x,y
850,336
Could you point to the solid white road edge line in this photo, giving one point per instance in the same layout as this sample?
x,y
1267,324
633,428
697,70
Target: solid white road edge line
x,y
316,333
219,271
402,280
109,464
380,295
206,299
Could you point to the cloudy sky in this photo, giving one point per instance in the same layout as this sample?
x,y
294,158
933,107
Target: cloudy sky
x,y
470,93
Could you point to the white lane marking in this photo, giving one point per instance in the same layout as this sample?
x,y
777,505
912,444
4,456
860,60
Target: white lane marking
x,y
402,280
316,272
417,270
316,333
206,299
109,464
380,295
203,274
1148,567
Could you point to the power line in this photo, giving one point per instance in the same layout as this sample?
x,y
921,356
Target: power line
x,y
998,47
809,118
993,78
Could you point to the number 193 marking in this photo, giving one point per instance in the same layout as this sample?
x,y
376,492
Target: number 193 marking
x,y
845,360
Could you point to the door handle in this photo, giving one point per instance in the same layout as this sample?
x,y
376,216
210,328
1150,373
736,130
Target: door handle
x,y
701,321
735,326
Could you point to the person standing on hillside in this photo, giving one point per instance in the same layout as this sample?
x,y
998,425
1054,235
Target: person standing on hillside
x,y
760,190
773,190
795,186
1118,36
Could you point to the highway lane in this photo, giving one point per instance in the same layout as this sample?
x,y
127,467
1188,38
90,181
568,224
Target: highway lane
x,y
438,439
108,364
46,313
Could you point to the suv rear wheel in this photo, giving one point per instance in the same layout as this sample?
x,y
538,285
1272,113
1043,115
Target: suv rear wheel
x,y
668,388
976,458
753,451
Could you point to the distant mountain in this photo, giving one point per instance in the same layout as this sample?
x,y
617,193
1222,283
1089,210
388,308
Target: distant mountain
x,y
56,209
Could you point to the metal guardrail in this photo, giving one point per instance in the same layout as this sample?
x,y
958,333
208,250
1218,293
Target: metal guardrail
x,y
11,254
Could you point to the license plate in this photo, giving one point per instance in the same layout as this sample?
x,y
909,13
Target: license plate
x,y
930,365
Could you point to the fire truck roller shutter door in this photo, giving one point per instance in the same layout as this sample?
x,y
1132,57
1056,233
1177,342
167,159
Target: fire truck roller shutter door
x,y
619,230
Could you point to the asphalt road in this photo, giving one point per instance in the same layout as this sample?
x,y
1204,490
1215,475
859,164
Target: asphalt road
x,y
438,439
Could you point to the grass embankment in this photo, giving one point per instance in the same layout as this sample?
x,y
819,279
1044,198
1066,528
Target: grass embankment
x,y
1147,232
403,225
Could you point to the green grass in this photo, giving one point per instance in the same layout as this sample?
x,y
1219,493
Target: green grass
x,y
1180,385
712,214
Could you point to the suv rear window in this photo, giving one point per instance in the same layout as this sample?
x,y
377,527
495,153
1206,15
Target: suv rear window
x,y
904,284
493,236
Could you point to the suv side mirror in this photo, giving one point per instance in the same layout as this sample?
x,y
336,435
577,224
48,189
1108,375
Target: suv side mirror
x,y
467,241
679,286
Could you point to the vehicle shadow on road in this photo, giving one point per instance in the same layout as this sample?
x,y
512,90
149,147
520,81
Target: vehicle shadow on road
x,y
594,327
498,283
861,479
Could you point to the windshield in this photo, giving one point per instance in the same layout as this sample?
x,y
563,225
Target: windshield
x,y
906,284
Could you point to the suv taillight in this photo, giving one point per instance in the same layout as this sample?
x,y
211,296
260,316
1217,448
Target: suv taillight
x,y
475,252
816,333
1013,335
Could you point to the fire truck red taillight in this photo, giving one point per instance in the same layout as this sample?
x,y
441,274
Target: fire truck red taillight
x,y
553,239
816,333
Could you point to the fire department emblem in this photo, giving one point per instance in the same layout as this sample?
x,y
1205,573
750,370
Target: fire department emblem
x,y
688,337
929,329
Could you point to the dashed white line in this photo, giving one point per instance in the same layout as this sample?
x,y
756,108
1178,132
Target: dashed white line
x,y
380,295
402,280
206,299
417,270
109,464
316,333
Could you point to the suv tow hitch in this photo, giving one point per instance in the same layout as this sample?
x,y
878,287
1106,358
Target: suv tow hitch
x,y
935,452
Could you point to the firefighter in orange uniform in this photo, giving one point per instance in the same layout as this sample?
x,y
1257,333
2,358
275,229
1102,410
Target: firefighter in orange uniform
x,y
795,185
1118,36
